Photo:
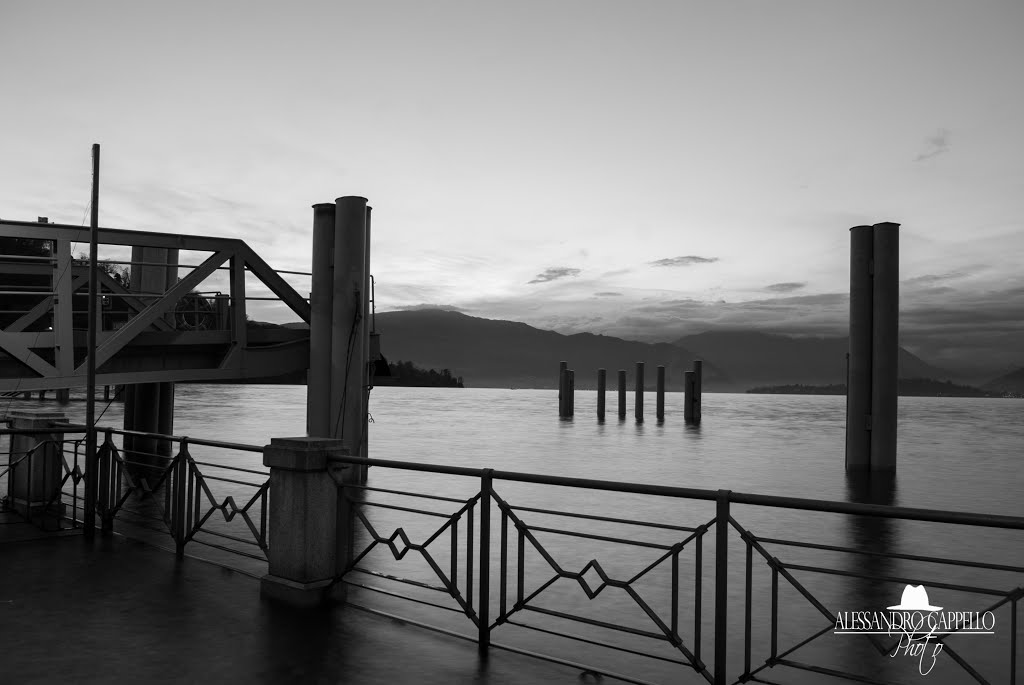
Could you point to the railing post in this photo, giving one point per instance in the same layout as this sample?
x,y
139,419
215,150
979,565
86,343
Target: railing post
x,y
179,481
484,607
721,584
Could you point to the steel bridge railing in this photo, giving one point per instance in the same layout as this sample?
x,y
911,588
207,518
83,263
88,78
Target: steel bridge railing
x,y
476,554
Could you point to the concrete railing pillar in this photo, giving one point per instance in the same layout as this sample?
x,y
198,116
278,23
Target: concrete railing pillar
x,y
303,522
36,479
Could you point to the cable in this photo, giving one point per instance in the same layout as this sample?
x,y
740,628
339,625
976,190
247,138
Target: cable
x,y
356,317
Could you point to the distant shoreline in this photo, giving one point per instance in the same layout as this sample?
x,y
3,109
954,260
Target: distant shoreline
x,y
908,387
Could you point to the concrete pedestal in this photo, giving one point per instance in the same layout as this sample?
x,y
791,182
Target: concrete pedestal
x,y
304,520
36,480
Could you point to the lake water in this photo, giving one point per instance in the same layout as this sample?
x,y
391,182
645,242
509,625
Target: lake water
x,y
954,454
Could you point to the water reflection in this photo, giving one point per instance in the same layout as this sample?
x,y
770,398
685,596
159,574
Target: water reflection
x,y
878,535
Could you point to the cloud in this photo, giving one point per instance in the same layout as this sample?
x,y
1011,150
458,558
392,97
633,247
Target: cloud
x,y
784,287
936,145
554,273
417,307
608,294
688,260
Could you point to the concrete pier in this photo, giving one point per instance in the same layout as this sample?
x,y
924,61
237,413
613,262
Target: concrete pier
x,y
571,392
601,381
639,408
660,395
622,393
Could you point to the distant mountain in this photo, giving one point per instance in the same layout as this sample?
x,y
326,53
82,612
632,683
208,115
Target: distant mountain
x,y
493,353
1012,382
765,359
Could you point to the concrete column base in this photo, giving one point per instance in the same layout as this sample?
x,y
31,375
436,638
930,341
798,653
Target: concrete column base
x,y
301,595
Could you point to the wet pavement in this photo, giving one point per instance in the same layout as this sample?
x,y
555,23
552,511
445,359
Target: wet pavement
x,y
121,611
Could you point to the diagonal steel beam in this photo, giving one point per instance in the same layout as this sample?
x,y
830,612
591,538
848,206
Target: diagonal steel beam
x,y
277,285
143,320
45,305
12,345
135,303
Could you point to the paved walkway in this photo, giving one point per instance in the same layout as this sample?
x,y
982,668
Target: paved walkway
x,y
121,611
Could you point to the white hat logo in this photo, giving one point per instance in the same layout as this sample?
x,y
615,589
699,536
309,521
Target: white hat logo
x,y
915,598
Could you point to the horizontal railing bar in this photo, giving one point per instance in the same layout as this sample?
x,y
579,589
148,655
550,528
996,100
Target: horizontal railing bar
x,y
405,597
237,482
599,624
178,438
231,468
886,511
397,579
406,492
382,505
893,555
610,519
894,579
598,643
604,538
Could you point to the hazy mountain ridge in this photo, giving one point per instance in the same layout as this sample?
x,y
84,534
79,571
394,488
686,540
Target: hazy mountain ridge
x,y
496,353
1010,382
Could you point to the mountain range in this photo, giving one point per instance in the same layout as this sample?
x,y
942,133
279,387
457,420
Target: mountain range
x,y
495,353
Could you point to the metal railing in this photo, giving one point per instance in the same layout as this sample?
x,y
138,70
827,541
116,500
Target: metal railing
x,y
463,566
147,491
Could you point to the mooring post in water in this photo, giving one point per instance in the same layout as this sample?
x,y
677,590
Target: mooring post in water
x,y
689,386
858,392
659,397
364,443
571,385
562,368
601,380
698,390
639,408
622,393
885,345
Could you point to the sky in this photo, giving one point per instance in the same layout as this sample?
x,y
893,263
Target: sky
x,y
639,169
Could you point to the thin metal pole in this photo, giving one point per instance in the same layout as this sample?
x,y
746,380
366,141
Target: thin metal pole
x,y
91,461
721,585
484,607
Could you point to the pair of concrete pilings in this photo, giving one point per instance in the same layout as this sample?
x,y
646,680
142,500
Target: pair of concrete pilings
x,y
339,331
691,402
872,375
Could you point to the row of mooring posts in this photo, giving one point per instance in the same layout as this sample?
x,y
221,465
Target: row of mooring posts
x,y
692,388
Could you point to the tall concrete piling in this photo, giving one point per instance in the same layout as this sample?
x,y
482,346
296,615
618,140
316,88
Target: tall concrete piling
x,y
874,348
364,445
660,395
689,390
348,323
601,381
321,304
638,410
698,388
622,393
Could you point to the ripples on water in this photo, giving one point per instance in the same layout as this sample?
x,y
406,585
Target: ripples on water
x,y
956,454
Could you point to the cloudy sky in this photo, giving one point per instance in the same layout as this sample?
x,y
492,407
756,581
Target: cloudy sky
x,y
642,169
